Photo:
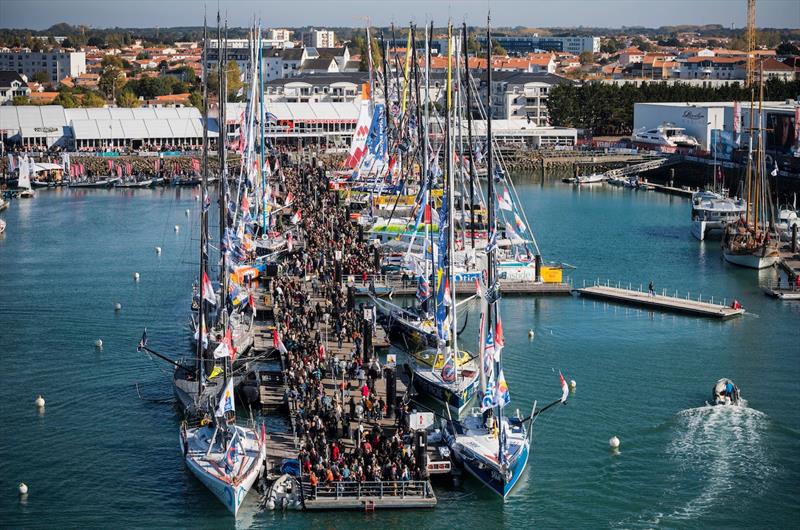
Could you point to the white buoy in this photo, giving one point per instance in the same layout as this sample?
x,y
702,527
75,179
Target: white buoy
x,y
158,250
177,228
613,442
187,212
197,197
23,488
39,402
117,306
136,276
572,384
530,334
98,343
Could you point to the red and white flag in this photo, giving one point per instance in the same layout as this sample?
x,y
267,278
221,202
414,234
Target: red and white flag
x,y
564,388
277,343
289,198
208,290
499,340
296,217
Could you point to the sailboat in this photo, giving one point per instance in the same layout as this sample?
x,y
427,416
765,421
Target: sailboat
x,y
24,181
751,242
226,457
492,447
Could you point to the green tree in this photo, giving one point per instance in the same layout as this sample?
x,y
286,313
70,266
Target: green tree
x,y
21,100
66,98
787,48
128,99
111,81
233,78
112,60
96,40
196,100
497,49
472,44
586,57
92,100
610,46
41,77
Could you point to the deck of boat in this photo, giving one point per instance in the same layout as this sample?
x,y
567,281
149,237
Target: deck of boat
x,y
465,289
661,301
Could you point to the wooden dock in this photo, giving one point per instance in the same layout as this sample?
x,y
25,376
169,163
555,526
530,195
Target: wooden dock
x,y
661,301
369,496
790,261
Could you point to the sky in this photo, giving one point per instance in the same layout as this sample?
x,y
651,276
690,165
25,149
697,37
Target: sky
x,y
41,14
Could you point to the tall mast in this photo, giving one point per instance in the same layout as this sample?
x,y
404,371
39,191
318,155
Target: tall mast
x,y
450,188
428,37
386,101
223,170
469,139
749,178
203,214
760,153
369,62
261,119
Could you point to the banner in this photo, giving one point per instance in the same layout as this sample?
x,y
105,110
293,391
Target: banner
x,y
737,123
723,144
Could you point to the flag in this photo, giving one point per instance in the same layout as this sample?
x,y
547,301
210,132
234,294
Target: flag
x,y
289,198
520,225
208,290
226,400
513,235
263,432
488,355
277,343
271,118
202,331
447,299
489,399
499,340
296,217
504,201
142,341
492,245
423,289
564,388
252,302
503,395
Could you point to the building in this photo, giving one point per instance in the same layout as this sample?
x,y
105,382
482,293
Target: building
x,y
79,128
774,69
522,95
528,44
319,38
333,88
525,135
699,119
12,85
56,64
713,68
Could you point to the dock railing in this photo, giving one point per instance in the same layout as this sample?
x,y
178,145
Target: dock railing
x,y
663,292
398,489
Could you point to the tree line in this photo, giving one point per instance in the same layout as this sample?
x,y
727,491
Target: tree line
x,y
607,109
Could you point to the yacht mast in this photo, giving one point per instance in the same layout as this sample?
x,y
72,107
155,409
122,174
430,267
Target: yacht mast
x,y
469,139
203,216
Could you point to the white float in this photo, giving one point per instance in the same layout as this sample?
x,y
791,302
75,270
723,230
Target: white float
x,y
613,442
39,401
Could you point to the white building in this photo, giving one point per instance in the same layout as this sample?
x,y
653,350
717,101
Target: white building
x,y
12,85
57,64
319,38
334,88
523,96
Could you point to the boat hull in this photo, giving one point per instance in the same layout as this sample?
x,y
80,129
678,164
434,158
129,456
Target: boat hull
x,y
456,400
751,261
489,474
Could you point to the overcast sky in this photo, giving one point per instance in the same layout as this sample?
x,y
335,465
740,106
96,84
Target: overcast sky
x,y
41,14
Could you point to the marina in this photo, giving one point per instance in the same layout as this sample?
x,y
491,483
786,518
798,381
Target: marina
x,y
397,330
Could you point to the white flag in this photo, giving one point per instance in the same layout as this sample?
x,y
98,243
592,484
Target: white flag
x,y
226,400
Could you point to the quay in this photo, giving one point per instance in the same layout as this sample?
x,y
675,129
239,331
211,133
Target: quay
x,y
662,301
790,263
393,285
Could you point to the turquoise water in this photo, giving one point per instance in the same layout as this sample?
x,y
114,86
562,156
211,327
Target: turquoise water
x,y
101,456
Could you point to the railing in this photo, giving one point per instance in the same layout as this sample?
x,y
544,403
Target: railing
x,y
397,489
664,293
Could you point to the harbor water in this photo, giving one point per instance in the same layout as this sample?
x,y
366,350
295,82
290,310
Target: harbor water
x,y
105,449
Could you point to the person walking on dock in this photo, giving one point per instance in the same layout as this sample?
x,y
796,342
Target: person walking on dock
x,y
650,289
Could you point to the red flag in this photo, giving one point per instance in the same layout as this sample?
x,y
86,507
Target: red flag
x,y
110,166
564,388
296,217
208,290
427,219
252,302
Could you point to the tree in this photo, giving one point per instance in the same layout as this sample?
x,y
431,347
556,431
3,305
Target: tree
x,y
41,77
112,60
233,78
127,99
111,81
66,98
586,57
142,55
472,45
196,100
642,44
92,100
21,100
610,46
96,40
497,49
787,48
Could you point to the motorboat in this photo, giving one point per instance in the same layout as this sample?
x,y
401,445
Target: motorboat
x,y
285,493
594,178
725,392
712,211
106,182
146,183
787,218
665,135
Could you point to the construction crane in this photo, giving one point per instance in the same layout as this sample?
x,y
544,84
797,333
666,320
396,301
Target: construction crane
x,y
751,42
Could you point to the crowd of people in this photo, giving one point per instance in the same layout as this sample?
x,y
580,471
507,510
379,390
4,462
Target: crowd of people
x,y
340,439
